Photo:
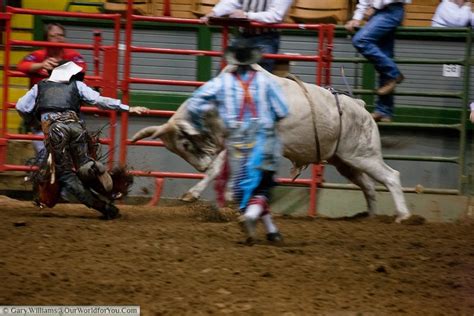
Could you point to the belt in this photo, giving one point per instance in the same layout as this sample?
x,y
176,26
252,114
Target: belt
x,y
67,116
393,4
257,31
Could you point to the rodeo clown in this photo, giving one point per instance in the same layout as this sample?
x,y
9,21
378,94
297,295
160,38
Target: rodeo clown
x,y
56,102
249,103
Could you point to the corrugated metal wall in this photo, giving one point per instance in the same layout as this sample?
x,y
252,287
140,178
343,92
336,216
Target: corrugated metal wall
x,y
180,67
146,65
419,78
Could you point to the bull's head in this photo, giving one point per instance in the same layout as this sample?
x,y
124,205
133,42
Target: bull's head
x,y
180,137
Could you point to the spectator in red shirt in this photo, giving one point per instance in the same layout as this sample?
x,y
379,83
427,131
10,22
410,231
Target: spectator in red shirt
x,y
37,64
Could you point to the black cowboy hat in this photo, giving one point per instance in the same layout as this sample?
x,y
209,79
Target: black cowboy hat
x,y
242,52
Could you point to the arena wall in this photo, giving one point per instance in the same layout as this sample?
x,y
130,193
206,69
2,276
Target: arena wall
x,y
398,141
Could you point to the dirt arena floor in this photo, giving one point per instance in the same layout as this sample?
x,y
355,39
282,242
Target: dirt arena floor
x,y
185,260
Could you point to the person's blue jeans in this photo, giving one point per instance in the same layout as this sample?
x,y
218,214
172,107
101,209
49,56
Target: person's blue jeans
x,y
376,41
269,43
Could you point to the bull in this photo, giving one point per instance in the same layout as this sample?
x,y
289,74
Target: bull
x,y
321,126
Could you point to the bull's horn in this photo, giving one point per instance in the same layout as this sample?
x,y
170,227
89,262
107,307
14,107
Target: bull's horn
x,y
151,131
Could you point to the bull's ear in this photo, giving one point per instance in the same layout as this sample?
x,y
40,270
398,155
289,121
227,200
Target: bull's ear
x,y
187,128
151,131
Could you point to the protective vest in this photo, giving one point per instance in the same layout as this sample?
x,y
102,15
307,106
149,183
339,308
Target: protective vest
x,y
57,97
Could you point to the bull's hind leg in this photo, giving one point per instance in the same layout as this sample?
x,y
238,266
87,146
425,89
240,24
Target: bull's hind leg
x,y
360,179
390,178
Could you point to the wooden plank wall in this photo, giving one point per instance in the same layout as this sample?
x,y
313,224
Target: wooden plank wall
x,y
418,13
322,11
179,8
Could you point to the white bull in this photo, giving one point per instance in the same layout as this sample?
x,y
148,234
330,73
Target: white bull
x,y
351,142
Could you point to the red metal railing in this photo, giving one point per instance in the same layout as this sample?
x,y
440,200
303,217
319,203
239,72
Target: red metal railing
x,y
322,60
109,84
107,81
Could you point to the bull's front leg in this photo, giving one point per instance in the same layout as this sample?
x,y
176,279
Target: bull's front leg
x,y
194,193
212,172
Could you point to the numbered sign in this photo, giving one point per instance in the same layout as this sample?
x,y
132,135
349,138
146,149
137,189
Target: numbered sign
x,y
450,70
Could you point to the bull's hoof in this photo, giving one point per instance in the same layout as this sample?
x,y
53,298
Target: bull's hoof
x,y
189,197
414,220
361,215
402,217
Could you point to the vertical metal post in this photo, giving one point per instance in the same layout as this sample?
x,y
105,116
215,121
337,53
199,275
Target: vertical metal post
x,y
117,29
320,51
224,43
329,29
159,183
126,84
110,69
109,88
6,68
97,44
313,187
204,65
465,103
316,168
166,8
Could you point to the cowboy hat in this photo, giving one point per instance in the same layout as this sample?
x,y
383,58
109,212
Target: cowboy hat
x,y
242,52
64,71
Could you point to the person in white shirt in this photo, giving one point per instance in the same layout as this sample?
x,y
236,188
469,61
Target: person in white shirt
x,y
263,11
453,13
376,42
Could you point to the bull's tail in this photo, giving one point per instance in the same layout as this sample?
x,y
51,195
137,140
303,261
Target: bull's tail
x,y
344,78
296,170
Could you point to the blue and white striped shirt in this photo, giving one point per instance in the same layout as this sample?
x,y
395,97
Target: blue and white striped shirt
x,y
225,94
252,142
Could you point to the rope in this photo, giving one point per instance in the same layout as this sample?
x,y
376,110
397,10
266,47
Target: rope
x,y
313,113
335,93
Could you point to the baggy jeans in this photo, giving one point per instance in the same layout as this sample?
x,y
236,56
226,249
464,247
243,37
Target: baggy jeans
x,y
376,42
